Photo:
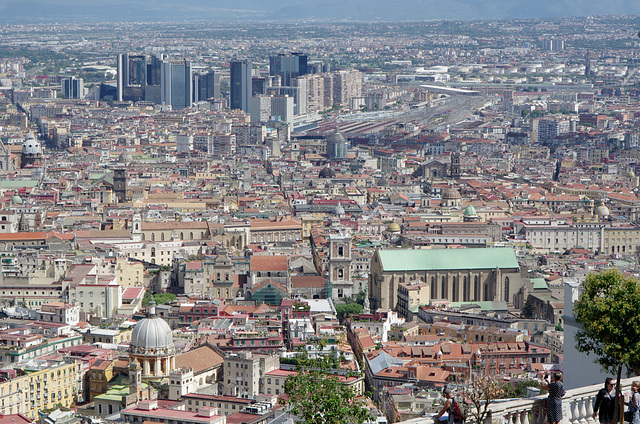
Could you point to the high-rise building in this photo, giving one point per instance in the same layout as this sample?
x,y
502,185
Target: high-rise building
x,y
346,84
549,129
240,74
72,87
206,86
273,108
288,66
139,77
176,84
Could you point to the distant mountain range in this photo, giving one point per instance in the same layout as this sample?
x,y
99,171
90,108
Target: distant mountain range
x,y
16,11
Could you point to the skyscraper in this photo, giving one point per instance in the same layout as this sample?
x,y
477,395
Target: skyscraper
x,y
176,83
72,87
206,86
139,77
240,84
288,66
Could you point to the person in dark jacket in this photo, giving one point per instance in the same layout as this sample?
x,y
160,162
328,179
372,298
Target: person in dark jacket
x,y
606,402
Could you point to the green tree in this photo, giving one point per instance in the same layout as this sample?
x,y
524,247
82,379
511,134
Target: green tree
x,y
317,396
345,310
159,298
610,319
527,309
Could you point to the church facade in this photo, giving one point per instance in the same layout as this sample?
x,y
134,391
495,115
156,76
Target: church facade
x,y
452,275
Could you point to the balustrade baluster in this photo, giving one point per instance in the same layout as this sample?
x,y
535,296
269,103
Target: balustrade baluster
x,y
575,413
583,410
590,418
525,417
517,417
542,413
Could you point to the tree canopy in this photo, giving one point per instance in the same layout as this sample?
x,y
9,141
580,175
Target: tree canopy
x,y
610,318
345,310
318,396
159,298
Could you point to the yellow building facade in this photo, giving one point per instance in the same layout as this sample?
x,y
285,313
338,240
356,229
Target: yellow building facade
x,y
32,389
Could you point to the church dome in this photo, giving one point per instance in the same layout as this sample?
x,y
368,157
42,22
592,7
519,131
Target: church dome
x,y
151,333
602,211
451,193
31,146
339,209
393,227
16,200
327,173
470,211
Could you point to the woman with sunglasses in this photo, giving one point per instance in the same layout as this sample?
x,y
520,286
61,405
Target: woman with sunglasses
x,y
606,402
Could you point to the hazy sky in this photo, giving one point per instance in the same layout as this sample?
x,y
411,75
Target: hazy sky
x,y
16,11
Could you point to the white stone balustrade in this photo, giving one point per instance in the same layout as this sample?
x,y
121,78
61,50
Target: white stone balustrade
x,y
577,407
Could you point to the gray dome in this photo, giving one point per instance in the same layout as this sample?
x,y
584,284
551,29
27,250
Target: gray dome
x,y
338,210
327,173
31,146
337,137
451,193
152,332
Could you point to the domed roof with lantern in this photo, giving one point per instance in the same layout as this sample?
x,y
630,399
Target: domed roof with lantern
x,y
31,146
151,332
327,172
470,211
451,193
602,211
393,227
152,345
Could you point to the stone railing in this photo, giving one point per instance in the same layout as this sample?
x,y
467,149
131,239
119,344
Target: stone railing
x,y
577,407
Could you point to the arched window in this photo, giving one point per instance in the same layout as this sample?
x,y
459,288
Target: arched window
x,y
476,288
161,236
153,236
506,289
181,236
465,289
191,235
143,237
454,290
443,292
486,292
433,288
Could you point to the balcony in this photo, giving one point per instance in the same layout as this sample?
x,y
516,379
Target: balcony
x,y
577,407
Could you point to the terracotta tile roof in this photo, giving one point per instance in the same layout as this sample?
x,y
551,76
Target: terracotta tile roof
x,y
269,263
199,359
307,281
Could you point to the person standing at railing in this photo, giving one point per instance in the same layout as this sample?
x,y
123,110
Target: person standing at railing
x,y
554,400
605,406
634,404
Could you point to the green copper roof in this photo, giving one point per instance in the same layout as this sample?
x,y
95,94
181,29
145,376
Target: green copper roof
x,y
445,259
539,283
18,183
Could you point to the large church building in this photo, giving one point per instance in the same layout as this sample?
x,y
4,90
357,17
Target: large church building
x,y
454,275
